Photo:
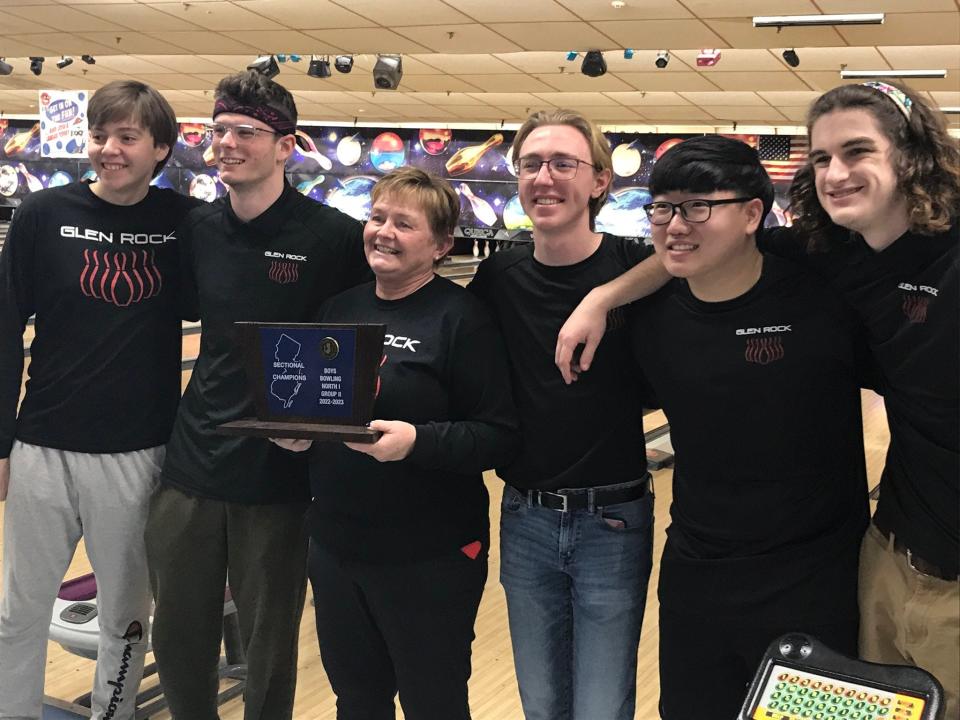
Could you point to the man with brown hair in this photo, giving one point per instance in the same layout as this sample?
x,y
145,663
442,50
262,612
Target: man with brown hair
x,y
577,512
235,503
97,264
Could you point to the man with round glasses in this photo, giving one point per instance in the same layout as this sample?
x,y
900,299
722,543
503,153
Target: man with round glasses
x,y
576,515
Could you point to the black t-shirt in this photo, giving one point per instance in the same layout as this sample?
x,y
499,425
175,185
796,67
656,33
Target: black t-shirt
x,y
445,371
907,297
279,267
586,434
763,400
102,279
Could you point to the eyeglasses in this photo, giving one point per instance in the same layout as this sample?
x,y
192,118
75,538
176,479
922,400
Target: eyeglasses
x,y
243,133
560,168
692,211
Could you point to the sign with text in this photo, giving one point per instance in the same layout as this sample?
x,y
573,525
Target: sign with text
x,y
63,123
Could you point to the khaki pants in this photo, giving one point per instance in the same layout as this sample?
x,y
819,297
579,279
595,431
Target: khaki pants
x,y
907,617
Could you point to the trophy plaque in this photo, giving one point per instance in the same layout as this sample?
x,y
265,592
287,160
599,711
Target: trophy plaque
x,y
310,381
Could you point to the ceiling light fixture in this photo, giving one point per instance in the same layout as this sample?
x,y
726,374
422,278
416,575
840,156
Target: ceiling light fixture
x,y
319,67
708,57
593,64
873,74
387,72
343,63
36,64
628,54
805,20
5,67
663,57
265,65
65,61
89,59
572,55
791,58
951,110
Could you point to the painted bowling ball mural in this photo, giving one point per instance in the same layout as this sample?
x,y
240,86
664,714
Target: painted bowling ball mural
x,y
514,218
9,180
353,196
387,152
58,179
435,141
193,134
666,145
623,213
203,187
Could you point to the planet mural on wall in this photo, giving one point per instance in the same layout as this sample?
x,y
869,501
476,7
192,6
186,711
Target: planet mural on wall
x,y
514,218
387,152
666,145
353,196
193,134
623,213
627,159
58,179
435,141
349,150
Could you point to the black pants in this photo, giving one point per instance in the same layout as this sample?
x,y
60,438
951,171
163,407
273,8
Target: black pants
x,y
397,627
707,663
191,544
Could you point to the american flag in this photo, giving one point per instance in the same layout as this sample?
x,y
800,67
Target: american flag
x,y
782,155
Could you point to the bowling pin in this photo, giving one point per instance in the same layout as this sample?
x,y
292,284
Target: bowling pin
x,y
483,211
466,159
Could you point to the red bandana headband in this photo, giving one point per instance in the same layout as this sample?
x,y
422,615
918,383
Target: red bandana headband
x,y
276,118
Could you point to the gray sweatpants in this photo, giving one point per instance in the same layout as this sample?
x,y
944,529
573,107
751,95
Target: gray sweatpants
x,y
55,497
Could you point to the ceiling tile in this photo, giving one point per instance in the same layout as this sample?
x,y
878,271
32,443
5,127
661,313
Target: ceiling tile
x,y
398,14
915,28
518,99
665,33
708,99
576,99
749,8
202,42
891,6
367,40
831,58
219,16
511,11
602,10
682,113
637,98
315,14
801,98
909,57
609,113
474,63
280,41
439,83
507,83
575,82
59,17
741,113
758,81
459,39
670,82
140,17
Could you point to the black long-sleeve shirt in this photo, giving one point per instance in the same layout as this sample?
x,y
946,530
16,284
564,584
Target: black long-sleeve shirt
x,y
586,434
907,297
445,371
102,279
279,267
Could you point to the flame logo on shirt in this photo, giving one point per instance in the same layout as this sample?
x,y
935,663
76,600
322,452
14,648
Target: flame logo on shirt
x,y
915,307
764,350
284,272
120,278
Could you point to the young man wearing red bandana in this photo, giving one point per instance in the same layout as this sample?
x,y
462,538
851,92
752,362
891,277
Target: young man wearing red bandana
x,y
234,506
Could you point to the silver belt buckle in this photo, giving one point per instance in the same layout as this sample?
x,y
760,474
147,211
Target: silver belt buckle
x,y
540,494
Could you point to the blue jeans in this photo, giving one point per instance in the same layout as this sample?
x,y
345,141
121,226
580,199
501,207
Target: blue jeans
x,y
576,586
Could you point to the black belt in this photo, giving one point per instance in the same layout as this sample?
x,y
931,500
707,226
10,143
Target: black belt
x,y
924,567
567,499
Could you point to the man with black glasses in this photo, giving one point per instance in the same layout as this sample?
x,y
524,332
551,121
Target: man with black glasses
x,y
756,365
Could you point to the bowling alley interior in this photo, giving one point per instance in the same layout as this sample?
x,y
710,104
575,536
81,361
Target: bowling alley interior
x,y
444,85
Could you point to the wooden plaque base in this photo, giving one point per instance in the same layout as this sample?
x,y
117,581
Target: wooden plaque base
x,y
252,427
